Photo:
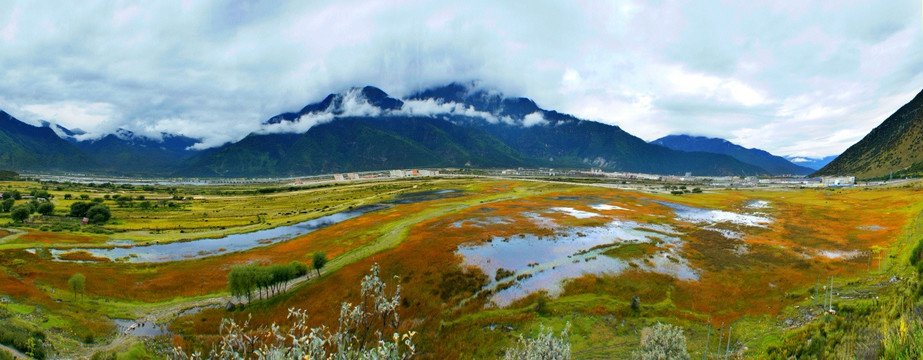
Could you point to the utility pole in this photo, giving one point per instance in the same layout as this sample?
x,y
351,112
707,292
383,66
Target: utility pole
x,y
720,337
728,349
707,338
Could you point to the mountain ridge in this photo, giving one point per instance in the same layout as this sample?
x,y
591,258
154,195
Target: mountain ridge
x,y
775,165
894,145
455,125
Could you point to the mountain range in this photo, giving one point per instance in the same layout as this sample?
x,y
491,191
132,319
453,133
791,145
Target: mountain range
x,y
775,165
456,125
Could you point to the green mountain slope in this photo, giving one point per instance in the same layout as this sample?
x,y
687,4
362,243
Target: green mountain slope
x,y
356,144
32,148
895,145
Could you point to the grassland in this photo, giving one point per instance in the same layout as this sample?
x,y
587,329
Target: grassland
x,y
763,283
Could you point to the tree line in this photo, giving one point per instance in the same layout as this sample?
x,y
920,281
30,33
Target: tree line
x,y
244,280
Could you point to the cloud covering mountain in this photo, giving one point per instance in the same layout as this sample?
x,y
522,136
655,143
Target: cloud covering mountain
x,y
794,78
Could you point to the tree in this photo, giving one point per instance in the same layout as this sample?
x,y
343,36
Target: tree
x,y
68,196
144,205
33,206
367,330
546,346
84,197
13,194
662,341
20,212
77,282
79,209
7,204
45,208
318,260
99,214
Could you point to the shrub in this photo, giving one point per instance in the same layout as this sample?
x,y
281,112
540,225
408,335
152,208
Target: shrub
x,y
662,341
546,346
363,332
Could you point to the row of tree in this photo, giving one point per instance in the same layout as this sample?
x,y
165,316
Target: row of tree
x,y
244,280
22,212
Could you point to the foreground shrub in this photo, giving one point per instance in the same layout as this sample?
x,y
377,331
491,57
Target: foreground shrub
x,y
546,346
362,333
662,342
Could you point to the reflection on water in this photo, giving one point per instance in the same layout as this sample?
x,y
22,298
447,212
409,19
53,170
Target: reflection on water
x,y
236,242
712,216
543,263
193,249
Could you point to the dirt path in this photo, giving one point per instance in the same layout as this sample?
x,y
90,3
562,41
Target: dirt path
x,y
16,353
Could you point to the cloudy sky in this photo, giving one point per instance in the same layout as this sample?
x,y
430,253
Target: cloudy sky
x,y
805,78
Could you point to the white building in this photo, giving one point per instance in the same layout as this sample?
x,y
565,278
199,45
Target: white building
x,y
838,180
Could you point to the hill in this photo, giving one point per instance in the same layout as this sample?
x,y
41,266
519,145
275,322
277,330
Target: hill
x,y
895,145
129,154
33,148
775,165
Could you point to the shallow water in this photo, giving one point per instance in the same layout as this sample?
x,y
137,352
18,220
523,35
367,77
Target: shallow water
x,y
573,253
207,247
604,207
580,214
149,329
711,216
193,249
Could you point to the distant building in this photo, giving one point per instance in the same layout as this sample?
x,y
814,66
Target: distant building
x,y
397,173
838,180
338,177
352,176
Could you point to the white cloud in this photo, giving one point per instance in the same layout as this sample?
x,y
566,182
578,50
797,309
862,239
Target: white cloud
x,y
533,119
752,72
90,117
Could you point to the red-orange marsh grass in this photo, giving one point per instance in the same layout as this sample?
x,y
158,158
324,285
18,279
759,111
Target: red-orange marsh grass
x,y
162,281
763,280
51,238
81,255
433,282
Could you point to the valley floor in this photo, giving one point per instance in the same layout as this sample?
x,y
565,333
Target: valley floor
x,y
479,262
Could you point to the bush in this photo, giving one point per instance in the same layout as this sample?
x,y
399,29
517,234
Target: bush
x,y
662,341
363,332
23,339
546,346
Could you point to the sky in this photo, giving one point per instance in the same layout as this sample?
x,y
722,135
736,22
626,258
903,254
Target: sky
x,y
799,78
